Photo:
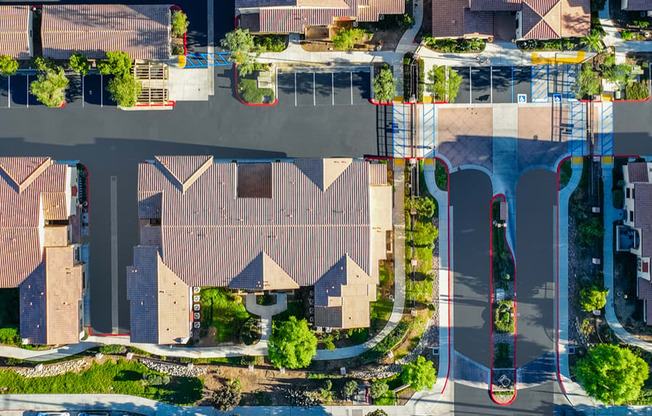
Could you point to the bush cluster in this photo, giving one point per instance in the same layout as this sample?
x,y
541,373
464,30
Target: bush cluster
x,y
460,45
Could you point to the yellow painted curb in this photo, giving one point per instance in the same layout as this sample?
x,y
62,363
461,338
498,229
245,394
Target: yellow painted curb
x,y
182,61
399,162
540,60
577,159
607,97
427,99
398,99
608,159
429,161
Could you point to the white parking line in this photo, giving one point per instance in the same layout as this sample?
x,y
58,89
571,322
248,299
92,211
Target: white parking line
x,y
491,84
314,87
101,90
295,89
351,73
332,88
82,91
27,92
470,85
9,91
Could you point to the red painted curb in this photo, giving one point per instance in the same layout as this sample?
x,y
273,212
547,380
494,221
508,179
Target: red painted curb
x,y
90,333
88,202
235,22
491,254
185,41
644,100
448,237
374,102
169,104
235,69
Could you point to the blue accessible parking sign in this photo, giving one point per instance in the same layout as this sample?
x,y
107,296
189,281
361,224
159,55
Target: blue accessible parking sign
x,y
556,98
522,98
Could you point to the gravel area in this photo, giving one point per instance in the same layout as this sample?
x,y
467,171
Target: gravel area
x,y
177,370
52,370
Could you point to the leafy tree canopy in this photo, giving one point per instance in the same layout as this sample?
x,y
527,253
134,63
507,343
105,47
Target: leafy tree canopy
x,y
424,233
442,88
377,412
179,23
8,65
124,90
228,396
345,39
50,87
378,389
612,374
384,85
116,63
425,206
79,63
420,375
292,344
243,51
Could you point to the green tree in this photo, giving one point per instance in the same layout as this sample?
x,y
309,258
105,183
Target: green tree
x,y
116,63
590,231
228,396
619,74
637,90
444,83
377,412
384,85
79,63
179,23
420,375
587,83
378,389
124,90
425,206
8,65
50,87
593,297
593,41
326,392
292,344
242,50
345,39
424,233
349,388
612,374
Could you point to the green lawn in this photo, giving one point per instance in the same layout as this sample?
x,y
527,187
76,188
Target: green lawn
x,y
386,399
225,311
250,93
123,377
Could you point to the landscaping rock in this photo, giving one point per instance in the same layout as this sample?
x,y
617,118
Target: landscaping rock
x,y
52,370
175,370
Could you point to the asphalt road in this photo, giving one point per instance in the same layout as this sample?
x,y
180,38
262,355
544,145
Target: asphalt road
x,y
111,142
499,84
539,401
471,193
536,197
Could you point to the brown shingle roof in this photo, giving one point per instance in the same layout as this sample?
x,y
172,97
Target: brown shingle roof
x,y
495,5
576,18
637,172
643,215
14,31
142,31
263,273
645,293
63,293
638,5
448,17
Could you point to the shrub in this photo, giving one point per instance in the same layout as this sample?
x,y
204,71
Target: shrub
x,y
301,397
637,90
156,379
9,336
8,65
378,389
618,198
326,392
593,298
425,206
377,412
270,43
587,327
503,316
345,39
124,90
587,83
49,87
626,35
113,349
441,175
349,388
442,88
328,342
177,50
590,232
179,23
502,356
79,63
228,396
422,80
250,93
424,234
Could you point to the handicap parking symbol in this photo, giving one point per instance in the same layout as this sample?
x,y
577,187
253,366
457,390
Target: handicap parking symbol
x,y
556,98
522,98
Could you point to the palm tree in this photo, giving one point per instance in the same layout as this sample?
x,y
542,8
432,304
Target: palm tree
x,y
593,42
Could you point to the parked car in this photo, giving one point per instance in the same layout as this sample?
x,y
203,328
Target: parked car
x,y
94,413
53,414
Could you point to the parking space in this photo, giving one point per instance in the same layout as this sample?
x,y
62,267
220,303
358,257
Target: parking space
x,y
481,85
323,87
93,91
501,82
464,94
4,92
18,91
75,92
522,83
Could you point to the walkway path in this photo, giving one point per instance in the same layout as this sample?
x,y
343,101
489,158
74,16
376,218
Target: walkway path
x,y
611,215
266,312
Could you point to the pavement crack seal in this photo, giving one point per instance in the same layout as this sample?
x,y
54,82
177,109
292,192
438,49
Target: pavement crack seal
x,y
502,382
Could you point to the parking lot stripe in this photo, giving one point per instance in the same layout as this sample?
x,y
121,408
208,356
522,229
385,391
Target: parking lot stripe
x,y
314,87
491,84
512,84
101,90
27,92
9,91
332,88
351,73
82,98
295,89
470,85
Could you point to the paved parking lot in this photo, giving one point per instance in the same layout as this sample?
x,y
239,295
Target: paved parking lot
x,y
324,87
82,91
487,85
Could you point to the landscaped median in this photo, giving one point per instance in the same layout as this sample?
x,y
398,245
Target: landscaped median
x,y
249,86
503,305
